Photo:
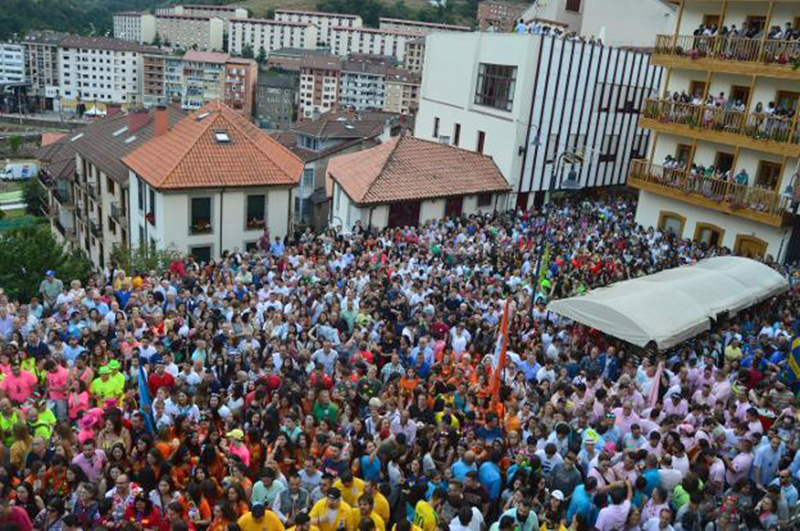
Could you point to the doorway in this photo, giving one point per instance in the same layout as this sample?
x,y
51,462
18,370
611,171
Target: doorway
x,y
683,154
711,20
740,93
769,174
453,207
697,88
750,246
723,161
404,214
787,100
709,234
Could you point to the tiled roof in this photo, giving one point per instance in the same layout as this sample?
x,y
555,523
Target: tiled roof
x,y
45,37
49,138
316,13
423,24
106,141
57,158
289,140
345,125
106,43
411,169
191,156
205,57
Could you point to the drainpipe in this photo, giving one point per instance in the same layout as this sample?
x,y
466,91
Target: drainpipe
x,y
289,212
221,202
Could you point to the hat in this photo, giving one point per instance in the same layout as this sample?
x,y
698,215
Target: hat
x,y
50,273
557,494
375,402
88,422
235,434
334,493
104,370
113,365
257,510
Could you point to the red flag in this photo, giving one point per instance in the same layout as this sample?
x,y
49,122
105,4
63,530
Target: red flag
x,y
499,361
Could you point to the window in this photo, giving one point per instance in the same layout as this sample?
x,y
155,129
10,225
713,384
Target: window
x,y
151,207
708,234
671,222
201,215
141,195
456,134
202,253
552,149
484,200
608,152
683,153
574,6
495,87
109,185
308,179
481,141
750,246
141,235
436,127
256,211
112,226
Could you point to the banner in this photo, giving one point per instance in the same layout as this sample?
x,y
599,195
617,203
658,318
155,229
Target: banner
x,y
145,404
499,358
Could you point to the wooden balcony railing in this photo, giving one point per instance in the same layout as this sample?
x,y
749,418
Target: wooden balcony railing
x,y
757,126
730,49
731,196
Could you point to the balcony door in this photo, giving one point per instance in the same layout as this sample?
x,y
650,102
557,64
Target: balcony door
x,y
787,100
740,93
697,88
769,174
708,234
756,22
683,153
723,161
750,246
711,20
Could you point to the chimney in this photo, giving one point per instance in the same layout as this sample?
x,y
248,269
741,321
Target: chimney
x,y
161,121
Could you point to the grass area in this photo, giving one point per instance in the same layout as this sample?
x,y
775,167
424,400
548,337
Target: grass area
x,y
13,214
10,186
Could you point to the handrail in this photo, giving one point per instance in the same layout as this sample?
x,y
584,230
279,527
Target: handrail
x,y
735,196
724,48
759,126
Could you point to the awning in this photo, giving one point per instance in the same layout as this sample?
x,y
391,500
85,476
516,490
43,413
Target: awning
x,y
674,305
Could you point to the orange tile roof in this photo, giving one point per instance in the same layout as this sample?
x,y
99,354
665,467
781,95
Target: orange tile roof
x,y
49,138
410,169
189,155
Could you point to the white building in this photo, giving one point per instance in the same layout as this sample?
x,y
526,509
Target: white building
x,y
270,35
363,85
135,26
190,32
323,21
532,102
735,181
408,181
213,182
616,22
346,41
41,65
203,78
226,13
97,71
12,63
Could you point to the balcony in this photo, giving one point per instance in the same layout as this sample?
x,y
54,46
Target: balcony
x,y
64,197
758,131
92,189
749,202
119,214
96,227
732,55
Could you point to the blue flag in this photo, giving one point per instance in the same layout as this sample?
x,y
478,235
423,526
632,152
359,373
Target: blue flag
x,y
145,404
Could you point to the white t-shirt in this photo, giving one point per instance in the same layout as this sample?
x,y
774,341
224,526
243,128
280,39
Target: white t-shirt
x,y
474,525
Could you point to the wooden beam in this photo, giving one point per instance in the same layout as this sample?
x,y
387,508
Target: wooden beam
x,y
735,161
750,95
707,87
653,149
767,24
678,23
667,79
722,15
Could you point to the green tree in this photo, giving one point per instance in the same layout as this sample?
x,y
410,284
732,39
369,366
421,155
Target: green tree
x,y
143,258
262,56
157,40
247,51
14,143
26,253
34,195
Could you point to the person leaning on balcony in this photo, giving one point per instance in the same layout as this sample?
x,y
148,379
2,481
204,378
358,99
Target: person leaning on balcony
x,y
742,177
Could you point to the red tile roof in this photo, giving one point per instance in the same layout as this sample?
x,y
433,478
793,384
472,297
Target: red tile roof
x,y
49,138
190,156
410,169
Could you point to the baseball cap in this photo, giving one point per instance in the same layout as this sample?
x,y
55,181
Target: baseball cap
x,y
258,510
104,370
334,493
50,273
557,494
235,434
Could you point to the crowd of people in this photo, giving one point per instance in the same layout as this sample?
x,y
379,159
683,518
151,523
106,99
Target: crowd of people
x,y
546,28
753,30
343,382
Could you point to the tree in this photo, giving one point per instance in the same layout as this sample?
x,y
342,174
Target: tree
x,y
143,258
14,143
247,51
27,252
34,195
262,56
157,40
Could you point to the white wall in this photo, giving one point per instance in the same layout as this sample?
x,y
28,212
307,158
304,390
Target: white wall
x,y
627,22
650,206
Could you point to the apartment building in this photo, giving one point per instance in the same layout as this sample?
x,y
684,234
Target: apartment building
x,y
277,98
153,83
419,28
319,86
203,78
323,21
499,16
226,13
362,85
292,59
41,66
402,91
173,79
135,26
213,182
12,63
346,41
240,84
89,197
190,32
98,71
545,109
270,35
414,56
725,174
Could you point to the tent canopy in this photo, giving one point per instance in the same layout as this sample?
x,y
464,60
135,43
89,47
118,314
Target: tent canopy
x,y
674,305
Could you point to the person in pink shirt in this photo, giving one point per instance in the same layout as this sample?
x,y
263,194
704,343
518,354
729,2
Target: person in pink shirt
x,y
57,387
739,467
19,385
614,516
625,417
237,447
78,399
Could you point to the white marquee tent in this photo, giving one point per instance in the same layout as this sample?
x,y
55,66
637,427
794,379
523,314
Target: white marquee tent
x,y
674,305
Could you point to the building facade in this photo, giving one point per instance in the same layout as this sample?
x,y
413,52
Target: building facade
x,y
226,13
97,71
346,41
499,16
41,65
363,85
153,82
725,174
320,78
240,84
277,97
323,21
414,56
135,26
270,35
203,78
12,63
535,104
190,32
402,91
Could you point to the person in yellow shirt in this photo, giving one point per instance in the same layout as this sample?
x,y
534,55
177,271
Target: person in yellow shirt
x,y
366,511
302,522
381,503
405,525
331,513
259,519
425,515
103,388
118,378
351,488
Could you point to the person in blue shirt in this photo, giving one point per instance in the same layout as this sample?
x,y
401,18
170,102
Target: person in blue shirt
x,y
489,432
277,249
765,463
466,464
490,477
581,502
788,490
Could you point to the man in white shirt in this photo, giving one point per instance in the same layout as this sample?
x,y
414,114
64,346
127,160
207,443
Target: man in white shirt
x,y
468,519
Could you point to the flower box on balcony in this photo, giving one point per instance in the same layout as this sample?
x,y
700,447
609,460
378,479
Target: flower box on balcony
x,y
201,227
151,218
255,223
